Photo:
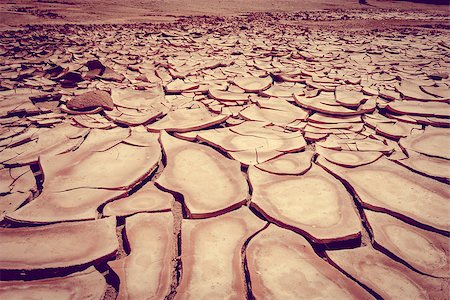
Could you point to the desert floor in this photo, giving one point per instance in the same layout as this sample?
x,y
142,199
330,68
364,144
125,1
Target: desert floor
x,y
224,149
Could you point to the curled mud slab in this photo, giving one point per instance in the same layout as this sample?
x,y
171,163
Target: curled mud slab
x,y
187,120
57,246
88,284
396,190
348,158
87,166
386,277
211,255
72,205
76,183
147,199
283,265
253,84
145,273
60,139
433,142
253,142
283,116
418,108
133,108
190,165
292,202
288,164
434,167
424,250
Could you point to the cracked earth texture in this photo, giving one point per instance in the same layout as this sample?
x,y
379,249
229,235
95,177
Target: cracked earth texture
x,y
235,157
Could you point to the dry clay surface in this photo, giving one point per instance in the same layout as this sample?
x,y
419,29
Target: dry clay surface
x,y
225,158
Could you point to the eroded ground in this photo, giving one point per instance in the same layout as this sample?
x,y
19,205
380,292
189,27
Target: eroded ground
x,y
226,157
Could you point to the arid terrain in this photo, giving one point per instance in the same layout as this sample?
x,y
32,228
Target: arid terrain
x,y
224,150
19,12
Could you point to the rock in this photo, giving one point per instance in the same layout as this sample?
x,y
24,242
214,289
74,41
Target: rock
x,y
90,100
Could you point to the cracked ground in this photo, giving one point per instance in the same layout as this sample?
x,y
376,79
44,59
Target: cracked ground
x,y
265,155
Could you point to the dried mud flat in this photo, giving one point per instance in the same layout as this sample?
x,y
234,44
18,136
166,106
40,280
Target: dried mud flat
x,y
253,156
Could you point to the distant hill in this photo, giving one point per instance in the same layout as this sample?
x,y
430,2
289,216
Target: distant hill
x,y
439,2
16,12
